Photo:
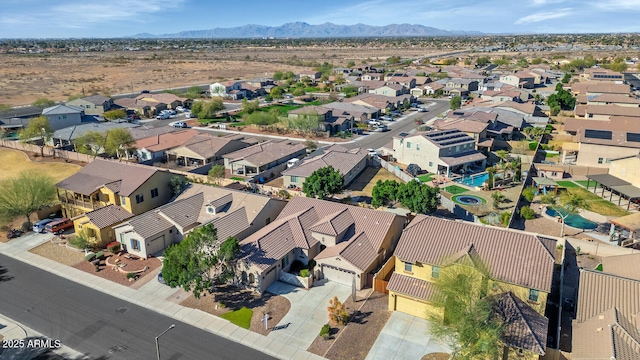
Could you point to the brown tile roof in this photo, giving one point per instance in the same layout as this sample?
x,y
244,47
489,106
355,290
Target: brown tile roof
x,y
150,224
411,286
524,328
623,265
266,152
101,172
527,108
108,216
618,125
463,158
164,98
293,228
613,110
600,291
432,240
615,98
546,167
142,132
344,162
165,141
96,99
610,335
594,87
311,110
464,125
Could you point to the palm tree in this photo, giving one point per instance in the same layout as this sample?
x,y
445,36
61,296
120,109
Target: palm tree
x,y
516,165
491,171
498,198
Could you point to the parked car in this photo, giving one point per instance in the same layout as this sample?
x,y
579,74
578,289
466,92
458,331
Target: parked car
x,y
423,109
180,109
372,152
38,226
382,128
163,116
374,123
387,118
59,226
180,124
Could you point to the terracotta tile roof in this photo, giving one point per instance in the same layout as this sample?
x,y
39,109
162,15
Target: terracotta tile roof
x,y
165,141
142,132
463,158
594,87
108,216
524,327
432,240
311,110
100,172
266,152
610,335
406,285
203,145
164,98
600,291
615,98
150,224
96,99
618,125
344,162
527,108
464,125
613,110
293,229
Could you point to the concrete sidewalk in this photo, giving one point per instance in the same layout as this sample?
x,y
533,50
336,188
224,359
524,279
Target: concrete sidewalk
x,y
153,296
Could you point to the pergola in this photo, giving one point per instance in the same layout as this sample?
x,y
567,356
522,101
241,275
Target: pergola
x,y
614,185
546,182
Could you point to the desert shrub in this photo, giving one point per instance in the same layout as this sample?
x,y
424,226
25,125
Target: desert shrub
x,y
296,266
527,213
115,248
305,273
131,275
533,145
26,226
337,312
325,332
80,241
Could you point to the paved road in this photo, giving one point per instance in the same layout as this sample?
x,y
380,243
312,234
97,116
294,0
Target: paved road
x,y
100,325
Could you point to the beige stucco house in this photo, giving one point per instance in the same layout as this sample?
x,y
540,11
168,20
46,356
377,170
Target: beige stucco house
x,y
93,105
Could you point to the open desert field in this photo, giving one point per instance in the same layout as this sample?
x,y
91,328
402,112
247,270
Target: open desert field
x,y
16,161
27,77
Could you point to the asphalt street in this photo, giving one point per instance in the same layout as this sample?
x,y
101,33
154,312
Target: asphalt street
x,y
99,325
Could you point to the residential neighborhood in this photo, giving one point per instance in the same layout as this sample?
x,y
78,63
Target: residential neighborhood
x,y
461,205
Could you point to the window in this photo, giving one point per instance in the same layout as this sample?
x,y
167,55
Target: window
x,y
408,144
435,272
607,161
139,199
123,200
533,295
285,261
635,137
598,134
408,267
252,278
135,244
294,179
417,146
154,193
268,221
600,160
122,238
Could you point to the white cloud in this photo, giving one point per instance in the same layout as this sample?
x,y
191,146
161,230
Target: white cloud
x,y
618,5
543,16
545,2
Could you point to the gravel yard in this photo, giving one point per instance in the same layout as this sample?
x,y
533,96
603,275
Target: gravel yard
x,y
58,253
109,273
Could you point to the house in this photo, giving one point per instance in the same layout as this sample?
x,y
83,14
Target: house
x,y
390,90
350,163
62,116
440,152
346,242
264,160
155,147
613,99
406,81
203,149
605,324
605,112
500,96
625,231
136,188
227,89
66,137
141,107
550,171
475,129
372,77
597,142
430,88
361,113
172,101
310,74
232,213
385,103
626,168
342,121
601,74
93,105
522,80
97,225
460,86
599,88
520,276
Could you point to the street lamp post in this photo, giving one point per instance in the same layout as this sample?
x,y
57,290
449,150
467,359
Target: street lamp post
x,y
158,337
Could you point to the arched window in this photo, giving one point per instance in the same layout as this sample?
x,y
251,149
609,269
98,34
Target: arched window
x,y
244,277
252,278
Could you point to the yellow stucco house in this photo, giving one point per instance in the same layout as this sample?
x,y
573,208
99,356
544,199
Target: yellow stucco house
x,y
519,264
105,193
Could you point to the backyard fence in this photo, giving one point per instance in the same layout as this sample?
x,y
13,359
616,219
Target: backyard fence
x,y
48,151
376,161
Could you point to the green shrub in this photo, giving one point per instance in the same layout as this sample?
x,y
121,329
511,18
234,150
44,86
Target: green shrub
x,y
131,275
115,248
90,256
560,247
533,145
325,332
527,213
99,254
311,264
26,226
305,273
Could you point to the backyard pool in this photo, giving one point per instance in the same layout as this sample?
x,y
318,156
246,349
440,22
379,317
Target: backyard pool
x,y
475,180
574,220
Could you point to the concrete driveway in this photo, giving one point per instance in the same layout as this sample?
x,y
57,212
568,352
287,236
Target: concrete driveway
x,y
405,337
308,311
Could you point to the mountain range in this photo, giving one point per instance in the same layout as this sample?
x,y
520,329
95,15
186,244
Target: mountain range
x,y
305,30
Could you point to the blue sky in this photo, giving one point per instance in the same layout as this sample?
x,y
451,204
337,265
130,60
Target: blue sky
x,y
114,18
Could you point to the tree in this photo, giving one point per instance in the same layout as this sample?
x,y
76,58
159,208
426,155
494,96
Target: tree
x,y
26,193
393,60
419,198
529,193
90,143
217,172
200,260
350,90
276,92
384,193
43,102
249,107
277,75
469,326
338,314
298,92
566,78
504,218
311,145
561,99
498,198
351,64
115,114
516,165
483,61
177,183
118,142
491,172
194,92
527,213
565,205
39,128
323,182
455,103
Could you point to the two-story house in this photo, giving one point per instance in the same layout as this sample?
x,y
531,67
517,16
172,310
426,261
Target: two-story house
x,y
227,89
441,152
519,266
62,116
93,105
523,80
342,121
133,188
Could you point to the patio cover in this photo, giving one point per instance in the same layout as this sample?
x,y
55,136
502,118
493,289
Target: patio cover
x,y
628,191
631,222
544,181
607,180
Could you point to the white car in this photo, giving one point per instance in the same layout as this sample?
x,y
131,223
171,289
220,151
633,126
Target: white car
x,y
372,152
423,109
180,124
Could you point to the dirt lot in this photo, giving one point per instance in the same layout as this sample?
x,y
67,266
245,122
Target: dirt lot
x,y
15,161
363,184
25,78
233,299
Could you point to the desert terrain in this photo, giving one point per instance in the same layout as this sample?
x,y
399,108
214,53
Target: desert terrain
x,y
56,76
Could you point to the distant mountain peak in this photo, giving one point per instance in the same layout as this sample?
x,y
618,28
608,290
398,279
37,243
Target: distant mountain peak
x,y
301,29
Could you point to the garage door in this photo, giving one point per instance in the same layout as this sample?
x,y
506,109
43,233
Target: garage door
x,y
338,275
410,306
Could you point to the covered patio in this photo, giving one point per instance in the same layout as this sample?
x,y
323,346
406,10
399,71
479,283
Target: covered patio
x,y
614,186
545,184
625,230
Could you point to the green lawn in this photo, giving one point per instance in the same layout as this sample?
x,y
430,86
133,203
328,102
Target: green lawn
x,y
567,184
597,204
240,317
455,189
236,178
241,123
426,177
584,183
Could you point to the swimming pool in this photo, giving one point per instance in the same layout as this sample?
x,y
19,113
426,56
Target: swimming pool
x,y
474,180
574,220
